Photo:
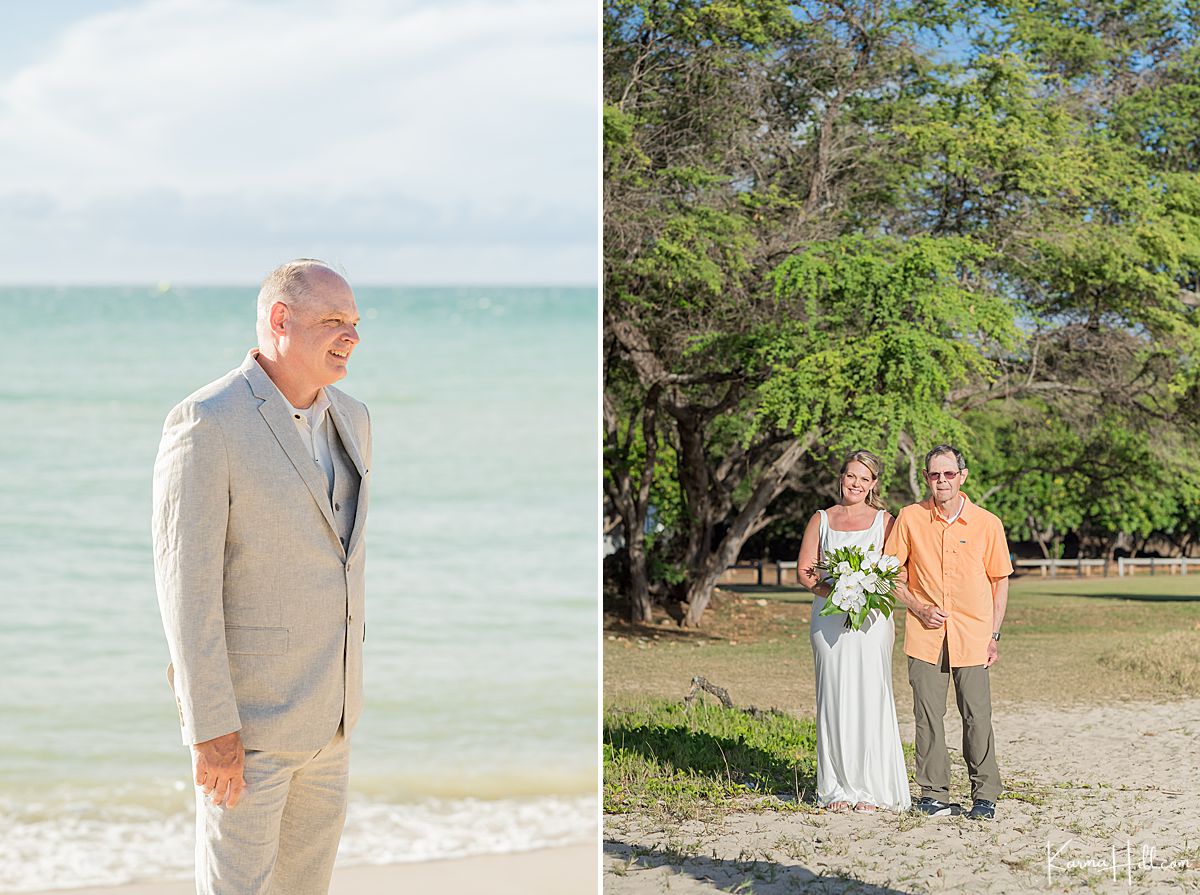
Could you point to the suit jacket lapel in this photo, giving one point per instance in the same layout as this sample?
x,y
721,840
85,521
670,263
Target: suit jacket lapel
x,y
274,410
344,430
351,445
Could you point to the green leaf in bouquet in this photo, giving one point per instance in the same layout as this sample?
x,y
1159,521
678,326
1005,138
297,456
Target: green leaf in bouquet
x,y
830,608
856,620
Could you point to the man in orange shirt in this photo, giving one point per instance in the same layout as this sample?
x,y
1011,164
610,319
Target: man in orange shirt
x,y
955,558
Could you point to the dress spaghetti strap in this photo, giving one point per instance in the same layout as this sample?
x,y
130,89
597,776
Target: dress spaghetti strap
x,y
879,524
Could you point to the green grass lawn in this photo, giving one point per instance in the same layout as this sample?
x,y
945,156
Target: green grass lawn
x,y
1065,642
682,757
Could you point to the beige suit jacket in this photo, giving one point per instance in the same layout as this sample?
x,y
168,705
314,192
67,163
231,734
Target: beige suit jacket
x,y
261,600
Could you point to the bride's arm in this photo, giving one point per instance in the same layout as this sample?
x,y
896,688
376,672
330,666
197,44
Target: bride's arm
x,y
810,549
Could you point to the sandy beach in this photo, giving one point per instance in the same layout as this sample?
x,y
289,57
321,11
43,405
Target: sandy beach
x,y
569,870
1091,794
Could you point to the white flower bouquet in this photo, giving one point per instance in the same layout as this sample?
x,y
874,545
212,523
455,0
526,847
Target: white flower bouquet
x,y
861,582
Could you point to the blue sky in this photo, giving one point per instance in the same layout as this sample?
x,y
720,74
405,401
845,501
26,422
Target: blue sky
x,y
447,142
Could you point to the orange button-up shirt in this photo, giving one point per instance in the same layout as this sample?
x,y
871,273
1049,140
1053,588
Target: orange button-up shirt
x,y
950,565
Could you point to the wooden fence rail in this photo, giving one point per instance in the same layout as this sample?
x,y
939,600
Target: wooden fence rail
x,y
1128,566
1082,568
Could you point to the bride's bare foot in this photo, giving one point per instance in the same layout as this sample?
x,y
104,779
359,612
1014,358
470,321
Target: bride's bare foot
x,y
839,807
864,808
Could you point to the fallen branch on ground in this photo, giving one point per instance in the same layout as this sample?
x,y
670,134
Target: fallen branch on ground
x,y
699,683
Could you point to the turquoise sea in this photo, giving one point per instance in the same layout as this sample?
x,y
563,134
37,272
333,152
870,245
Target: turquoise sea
x,y
479,730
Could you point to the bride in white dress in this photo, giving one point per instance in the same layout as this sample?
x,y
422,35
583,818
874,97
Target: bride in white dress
x,y
859,759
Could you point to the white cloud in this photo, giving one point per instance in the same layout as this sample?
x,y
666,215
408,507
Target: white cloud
x,y
347,124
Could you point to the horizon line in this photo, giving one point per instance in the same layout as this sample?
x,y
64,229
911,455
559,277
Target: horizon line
x,y
185,284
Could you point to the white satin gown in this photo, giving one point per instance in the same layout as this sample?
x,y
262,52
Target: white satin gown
x,y
859,758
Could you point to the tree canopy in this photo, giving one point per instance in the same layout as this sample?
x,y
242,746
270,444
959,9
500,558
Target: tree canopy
x,y
887,224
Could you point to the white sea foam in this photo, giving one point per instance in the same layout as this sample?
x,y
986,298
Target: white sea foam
x,y
381,833
85,844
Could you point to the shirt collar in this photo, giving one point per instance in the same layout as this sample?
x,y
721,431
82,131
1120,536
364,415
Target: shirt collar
x,y
315,413
968,510
258,376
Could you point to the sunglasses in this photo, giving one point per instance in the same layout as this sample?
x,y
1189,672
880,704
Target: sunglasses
x,y
948,476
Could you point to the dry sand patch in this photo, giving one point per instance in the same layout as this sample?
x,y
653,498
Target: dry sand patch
x,y
1092,793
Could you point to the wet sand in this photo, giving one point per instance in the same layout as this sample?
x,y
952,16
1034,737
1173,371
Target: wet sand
x,y
569,870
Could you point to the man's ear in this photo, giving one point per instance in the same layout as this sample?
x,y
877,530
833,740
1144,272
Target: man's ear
x,y
964,477
280,314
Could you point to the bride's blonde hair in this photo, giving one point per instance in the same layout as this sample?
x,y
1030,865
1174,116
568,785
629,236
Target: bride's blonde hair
x,y
875,466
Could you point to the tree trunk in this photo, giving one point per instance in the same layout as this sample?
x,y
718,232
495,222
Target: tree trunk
x,y
640,602
1110,549
1039,537
632,503
909,449
698,487
749,520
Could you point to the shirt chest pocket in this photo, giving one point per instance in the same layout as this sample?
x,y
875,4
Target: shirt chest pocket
x,y
968,550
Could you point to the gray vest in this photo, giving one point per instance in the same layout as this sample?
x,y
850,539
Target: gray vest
x,y
345,483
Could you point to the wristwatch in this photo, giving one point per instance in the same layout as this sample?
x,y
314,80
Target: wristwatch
x,y
996,636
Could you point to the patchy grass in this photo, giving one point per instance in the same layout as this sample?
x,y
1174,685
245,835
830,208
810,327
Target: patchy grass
x,y
678,761
1065,642
1170,660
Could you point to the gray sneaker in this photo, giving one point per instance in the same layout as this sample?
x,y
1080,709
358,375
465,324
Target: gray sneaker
x,y
982,810
934,808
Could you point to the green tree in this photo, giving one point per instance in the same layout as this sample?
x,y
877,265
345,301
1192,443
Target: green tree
x,y
821,232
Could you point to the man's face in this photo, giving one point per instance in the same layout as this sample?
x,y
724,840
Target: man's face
x,y
320,333
944,477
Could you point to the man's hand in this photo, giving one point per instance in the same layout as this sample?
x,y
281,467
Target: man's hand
x,y
219,763
993,655
929,615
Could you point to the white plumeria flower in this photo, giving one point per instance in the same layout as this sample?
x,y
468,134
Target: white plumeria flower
x,y
888,562
872,584
872,558
842,568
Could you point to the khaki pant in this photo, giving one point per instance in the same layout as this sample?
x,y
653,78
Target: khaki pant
x,y
283,835
973,693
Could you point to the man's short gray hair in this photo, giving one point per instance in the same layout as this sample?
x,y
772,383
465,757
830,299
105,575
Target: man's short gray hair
x,y
946,449
287,283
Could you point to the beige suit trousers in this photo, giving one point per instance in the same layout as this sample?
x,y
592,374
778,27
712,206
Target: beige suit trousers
x,y
283,836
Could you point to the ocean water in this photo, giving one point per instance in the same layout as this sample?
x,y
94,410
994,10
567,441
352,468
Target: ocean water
x,y
479,729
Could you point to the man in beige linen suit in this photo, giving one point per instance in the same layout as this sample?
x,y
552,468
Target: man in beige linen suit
x,y
260,498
